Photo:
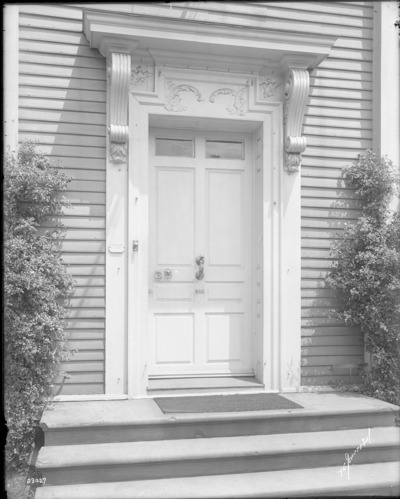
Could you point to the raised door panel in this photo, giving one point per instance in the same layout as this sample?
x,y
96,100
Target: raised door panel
x,y
225,218
173,338
174,216
224,337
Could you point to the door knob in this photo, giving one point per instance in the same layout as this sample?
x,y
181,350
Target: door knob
x,y
200,263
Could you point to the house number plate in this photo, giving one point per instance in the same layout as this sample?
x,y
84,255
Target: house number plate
x,y
200,292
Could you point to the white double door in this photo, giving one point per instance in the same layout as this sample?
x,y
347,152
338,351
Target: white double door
x,y
200,254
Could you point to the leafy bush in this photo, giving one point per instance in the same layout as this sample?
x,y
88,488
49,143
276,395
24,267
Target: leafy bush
x,y
367,274
37,288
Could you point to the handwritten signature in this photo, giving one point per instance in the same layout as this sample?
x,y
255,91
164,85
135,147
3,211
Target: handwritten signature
x,y
349,459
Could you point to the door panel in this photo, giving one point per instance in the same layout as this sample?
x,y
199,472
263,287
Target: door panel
x,y
200,206
172,292
224,291
175,216
225,217
174,338
224,337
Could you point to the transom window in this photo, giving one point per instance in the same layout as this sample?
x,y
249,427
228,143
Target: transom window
x,y
175,147
225,149
214,149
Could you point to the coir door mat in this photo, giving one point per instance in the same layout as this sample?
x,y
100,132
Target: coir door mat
x,y
225,403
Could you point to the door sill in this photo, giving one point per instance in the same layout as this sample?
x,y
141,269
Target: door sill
x,y
212,385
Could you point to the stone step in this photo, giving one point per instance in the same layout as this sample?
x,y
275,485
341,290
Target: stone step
x,y
109,462
379,479
66,423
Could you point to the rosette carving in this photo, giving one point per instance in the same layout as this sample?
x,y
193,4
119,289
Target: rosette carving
x,y
269,87
297,85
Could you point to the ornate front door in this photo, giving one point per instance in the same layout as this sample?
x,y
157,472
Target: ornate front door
x,y
200,253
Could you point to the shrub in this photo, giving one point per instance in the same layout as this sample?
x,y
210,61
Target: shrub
x,y
367,274
36,291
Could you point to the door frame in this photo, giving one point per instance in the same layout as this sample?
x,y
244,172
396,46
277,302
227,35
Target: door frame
x,y
266,76
278,365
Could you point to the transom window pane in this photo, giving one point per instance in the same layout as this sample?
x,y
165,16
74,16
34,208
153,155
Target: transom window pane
x,y
175,147
225,149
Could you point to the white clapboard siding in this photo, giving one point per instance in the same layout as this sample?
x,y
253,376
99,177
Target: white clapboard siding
x,y
62,89
62,107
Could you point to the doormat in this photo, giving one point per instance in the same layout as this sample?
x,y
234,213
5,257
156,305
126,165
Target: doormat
x,y
225,403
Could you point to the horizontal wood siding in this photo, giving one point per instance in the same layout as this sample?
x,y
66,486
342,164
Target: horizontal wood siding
x,y
62,91
338,126
62,99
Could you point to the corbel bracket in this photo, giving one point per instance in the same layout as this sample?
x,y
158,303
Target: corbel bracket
x,y
119,73
297,84
118,56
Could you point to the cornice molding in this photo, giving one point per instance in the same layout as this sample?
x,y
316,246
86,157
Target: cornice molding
x,y
200,37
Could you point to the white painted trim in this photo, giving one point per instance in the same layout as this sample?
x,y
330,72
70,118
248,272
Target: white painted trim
x,y
290,268
10,68
272,160
115,272
281,231
386,89
386,81
138,261
281,333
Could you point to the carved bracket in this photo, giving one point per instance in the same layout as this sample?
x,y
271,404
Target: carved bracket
x,y
119,72
297,85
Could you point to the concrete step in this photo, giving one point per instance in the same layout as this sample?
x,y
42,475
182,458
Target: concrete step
x,y
108,462
89,422
379,479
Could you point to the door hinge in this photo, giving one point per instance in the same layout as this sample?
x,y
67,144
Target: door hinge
x,y
135,245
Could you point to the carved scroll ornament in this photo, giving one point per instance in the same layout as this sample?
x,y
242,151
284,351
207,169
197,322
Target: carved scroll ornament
x,y
239,106
119,72
297,84
174,101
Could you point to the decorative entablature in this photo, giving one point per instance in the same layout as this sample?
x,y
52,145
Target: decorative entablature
x,y
186,66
